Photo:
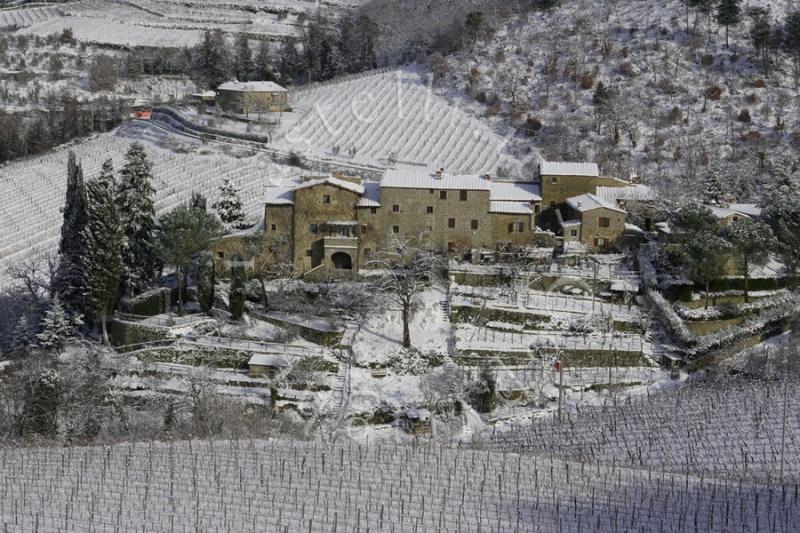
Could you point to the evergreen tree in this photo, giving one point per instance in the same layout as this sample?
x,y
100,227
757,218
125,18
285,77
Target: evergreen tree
x,y
714,192
198,201
213,59
792,40
104,241
184,232
205,281
138,219
263,67
751,243
229,205
237,295
42,397
729,13
22,337
761,35
290,60
68,282
366,39
244,58
705,258
55,328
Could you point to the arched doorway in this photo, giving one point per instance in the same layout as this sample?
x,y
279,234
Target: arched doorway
x,y
342,261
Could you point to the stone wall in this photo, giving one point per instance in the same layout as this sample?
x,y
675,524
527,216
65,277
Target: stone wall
x,y
591,229
247,102
501,229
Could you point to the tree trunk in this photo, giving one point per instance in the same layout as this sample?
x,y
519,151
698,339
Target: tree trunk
x,y
179,279
264,299
406,330
104,326
707,290
746,282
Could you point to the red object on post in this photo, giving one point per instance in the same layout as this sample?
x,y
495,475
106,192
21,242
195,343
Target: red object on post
x,y
558,365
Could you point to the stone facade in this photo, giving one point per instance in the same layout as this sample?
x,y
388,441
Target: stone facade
x,y
252,98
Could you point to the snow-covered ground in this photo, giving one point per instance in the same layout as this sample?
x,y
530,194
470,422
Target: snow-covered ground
x,y
35,187
278,485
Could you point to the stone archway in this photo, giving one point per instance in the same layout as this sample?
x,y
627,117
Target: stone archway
x,y
565,280
342,261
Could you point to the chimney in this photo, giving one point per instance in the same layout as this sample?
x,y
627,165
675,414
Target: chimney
x,y
580,203
487,177
439,174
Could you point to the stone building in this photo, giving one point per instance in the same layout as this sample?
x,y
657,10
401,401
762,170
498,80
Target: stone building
x,y
333,225
252,97
591,220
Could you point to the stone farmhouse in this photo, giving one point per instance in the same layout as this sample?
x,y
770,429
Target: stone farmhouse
x,y
245,98
585,208
333,225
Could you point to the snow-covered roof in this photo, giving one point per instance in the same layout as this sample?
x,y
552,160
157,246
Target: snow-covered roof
x,y
336,182
413,177
565,168
372,195
629,193
570,223
725,212
268,359
252,86
589,201
417,414
663,227
514,191
633,228
510,208
279,196
751,210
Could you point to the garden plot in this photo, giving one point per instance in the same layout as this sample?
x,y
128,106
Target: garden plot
x,y
729,428
35,188
308,486
390,117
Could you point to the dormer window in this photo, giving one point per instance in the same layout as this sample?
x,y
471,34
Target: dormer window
x,y
554,179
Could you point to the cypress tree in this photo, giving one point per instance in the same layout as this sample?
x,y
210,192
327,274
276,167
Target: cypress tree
x,y
68,282
263,68
104,242
237,295
138,219
729,13
205,281
244,58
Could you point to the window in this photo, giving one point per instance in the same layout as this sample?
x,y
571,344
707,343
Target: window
x,y
273,227
516,227
326,198
367,252
552,203
536,209
313,228
442,195
429,210
604,222
221,255
373,210
474,225
735,218
430,228
395,229
554,179
573,233
451,223
451,246
599,241
395,208
430,191
308,252
462,195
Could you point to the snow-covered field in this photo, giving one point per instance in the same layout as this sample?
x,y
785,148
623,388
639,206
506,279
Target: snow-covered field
x,y
730,428
35,188
311,486
20,18
388,117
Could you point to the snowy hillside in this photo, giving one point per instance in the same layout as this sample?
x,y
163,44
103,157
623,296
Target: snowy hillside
x,y
727,429
682,103
302,486
392,116
34,188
